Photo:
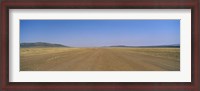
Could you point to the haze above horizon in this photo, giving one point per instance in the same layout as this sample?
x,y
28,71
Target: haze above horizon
x,y
96,33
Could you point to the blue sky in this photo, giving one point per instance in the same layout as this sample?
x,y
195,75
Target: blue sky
x,y
96,33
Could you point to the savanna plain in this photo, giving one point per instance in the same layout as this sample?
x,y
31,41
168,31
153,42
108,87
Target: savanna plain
x,y
99,59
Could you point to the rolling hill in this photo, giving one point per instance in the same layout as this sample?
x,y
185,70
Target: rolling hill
x,y
40,44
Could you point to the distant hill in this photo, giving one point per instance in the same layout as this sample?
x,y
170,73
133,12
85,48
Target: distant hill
x,y
119,46
160,46
40,44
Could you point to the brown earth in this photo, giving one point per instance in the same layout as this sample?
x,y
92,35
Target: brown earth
x,y
99,59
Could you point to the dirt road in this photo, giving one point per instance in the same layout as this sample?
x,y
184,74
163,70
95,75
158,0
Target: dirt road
x,y
99,59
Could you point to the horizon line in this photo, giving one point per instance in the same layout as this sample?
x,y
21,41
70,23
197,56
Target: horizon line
x,y
110,45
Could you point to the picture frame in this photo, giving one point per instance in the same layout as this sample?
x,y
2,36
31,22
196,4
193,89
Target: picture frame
x,y
119,4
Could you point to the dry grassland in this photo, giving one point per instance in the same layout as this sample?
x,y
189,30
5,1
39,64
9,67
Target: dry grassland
x,y
99,59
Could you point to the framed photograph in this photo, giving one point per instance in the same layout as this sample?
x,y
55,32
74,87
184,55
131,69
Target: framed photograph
x,y
100,45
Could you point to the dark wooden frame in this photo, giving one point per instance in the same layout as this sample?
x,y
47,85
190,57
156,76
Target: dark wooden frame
x,y
103,4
